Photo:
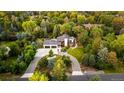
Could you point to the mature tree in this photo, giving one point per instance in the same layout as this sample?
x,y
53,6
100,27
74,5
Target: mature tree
x,y
29,26
106,19
96,45
56,31
92,60
65,28
96,32
83,37
112,58
118,22
102,54
58,71
90,19
14,49
44,27
118,45
85,59
81,19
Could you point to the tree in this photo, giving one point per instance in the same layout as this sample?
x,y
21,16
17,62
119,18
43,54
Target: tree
x,y
43,62
106,19
102,54
112,57
58,71
14,49
51,53
83,37
92,60
118,22
29,26
56,31
96,32
96,45
65,28
85,59
118,45
81,19
37,76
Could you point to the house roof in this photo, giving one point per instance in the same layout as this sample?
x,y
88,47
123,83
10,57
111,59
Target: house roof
x,y
61,38
51,42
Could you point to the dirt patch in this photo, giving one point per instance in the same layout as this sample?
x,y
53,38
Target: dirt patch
x,y
85,68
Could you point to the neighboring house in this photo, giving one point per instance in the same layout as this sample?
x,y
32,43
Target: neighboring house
x,y
61,41
89,26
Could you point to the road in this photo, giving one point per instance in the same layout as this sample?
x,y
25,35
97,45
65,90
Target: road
x,y
103,77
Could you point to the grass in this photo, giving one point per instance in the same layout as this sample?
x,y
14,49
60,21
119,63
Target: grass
x,y
119,70
8,77
77,53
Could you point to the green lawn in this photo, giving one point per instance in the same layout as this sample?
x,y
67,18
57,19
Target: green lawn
x,y
9,77
77,52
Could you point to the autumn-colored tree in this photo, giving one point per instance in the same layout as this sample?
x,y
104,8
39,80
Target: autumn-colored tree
x,y
118,22
96,45
112,59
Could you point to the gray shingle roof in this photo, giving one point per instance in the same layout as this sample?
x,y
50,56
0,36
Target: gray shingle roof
x,y
51,42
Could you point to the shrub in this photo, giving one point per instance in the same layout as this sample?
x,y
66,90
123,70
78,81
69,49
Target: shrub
x,y
66,60
95,78
43,62
38,76
15,50
51,53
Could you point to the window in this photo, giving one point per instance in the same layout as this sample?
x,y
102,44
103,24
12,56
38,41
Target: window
x,y
47,46
53,46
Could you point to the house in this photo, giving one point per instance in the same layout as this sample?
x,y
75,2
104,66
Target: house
x,y
61,41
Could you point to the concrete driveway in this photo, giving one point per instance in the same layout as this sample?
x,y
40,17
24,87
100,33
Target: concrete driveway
x,y
39,54
76,70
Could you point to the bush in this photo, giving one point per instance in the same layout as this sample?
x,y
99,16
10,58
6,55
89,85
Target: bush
x,y
29,53
66,60
38,76
51,53
43,62
15,50
95,78
18,67
3,54
64,49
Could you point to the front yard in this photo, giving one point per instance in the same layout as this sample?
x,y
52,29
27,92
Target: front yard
x,y
76,52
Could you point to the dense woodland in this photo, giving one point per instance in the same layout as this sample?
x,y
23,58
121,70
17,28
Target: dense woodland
x,y
99,37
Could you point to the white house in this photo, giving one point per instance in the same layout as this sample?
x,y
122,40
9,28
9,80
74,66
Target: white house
x,y
61,41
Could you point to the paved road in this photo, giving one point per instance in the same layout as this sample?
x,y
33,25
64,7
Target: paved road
x,y
103,77
76,70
